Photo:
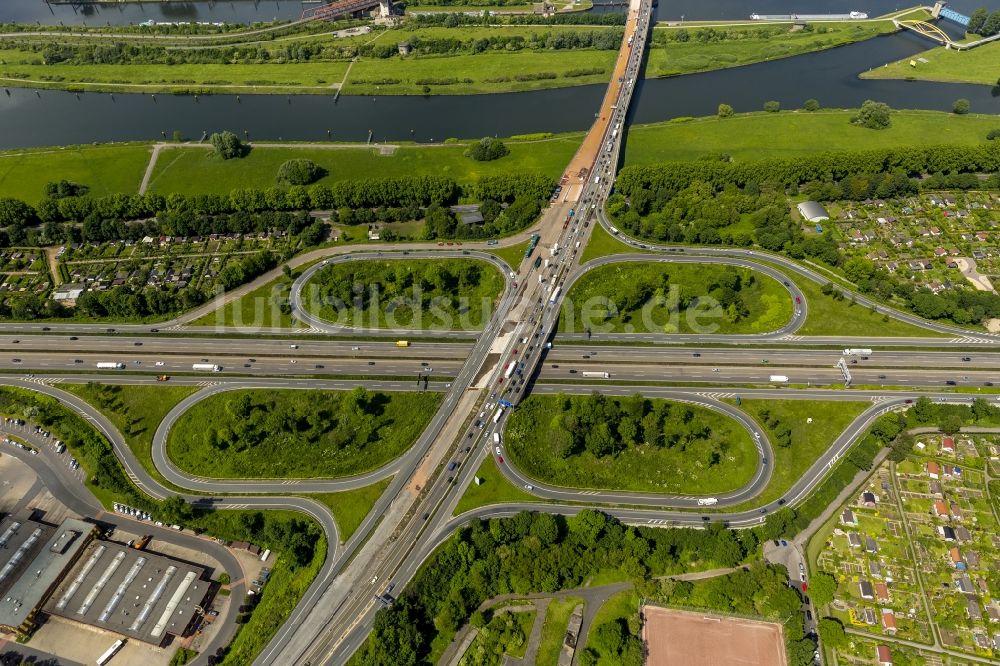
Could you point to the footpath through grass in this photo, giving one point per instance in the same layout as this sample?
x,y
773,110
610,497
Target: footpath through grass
x,y
978,65
200,171
755,136
494,489
136,411
297,434
350,507
747,44
808,440
665,297
554,629
419,294
104,169
632,444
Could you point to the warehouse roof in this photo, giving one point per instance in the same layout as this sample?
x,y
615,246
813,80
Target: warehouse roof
x,y
813,211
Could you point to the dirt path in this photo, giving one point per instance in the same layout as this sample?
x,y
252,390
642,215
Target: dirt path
x,y
51,261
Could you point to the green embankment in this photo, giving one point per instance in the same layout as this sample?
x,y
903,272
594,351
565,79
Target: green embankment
x,y
675,298
421,294
494,489
978,65
288,434
632,444
196,171
350,507
754,136
104,169
808,441
752,43
554,630
136,411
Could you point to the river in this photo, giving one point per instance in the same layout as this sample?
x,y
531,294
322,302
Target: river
x,y
45,118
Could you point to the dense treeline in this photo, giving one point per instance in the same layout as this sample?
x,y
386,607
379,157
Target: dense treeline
x,y
714,35
707,202
604,425
983,22
533,552
829,166
450,20
121,53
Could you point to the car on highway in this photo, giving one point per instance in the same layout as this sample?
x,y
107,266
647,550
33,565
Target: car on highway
x,y
371,362
15,360
951,382
528,486
881,376
798,300
967,358
137,344
72,337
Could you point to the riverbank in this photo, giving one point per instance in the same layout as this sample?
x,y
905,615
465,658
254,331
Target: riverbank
x,y
687,49
979,65
195,169
412,59
789,133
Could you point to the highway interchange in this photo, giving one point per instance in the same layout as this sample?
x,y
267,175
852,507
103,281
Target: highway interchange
x,y
416,512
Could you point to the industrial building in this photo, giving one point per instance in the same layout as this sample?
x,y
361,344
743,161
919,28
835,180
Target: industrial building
x,y
62,570
34,557
813,211
131,592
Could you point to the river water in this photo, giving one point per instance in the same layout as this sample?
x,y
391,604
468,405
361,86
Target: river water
x,y
42,118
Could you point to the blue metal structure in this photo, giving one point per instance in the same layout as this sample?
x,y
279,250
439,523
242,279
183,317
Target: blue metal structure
x,y
952,15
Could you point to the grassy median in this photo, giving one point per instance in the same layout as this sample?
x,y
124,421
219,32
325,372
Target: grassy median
x,y
294,434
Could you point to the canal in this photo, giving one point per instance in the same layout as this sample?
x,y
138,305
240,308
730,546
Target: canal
x,y
45,118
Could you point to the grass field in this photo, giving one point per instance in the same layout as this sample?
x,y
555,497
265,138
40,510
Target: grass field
x,y
136,411
480,73
697,307
288,434
704,451
104,169
495,489
753,136
809,440
554,629
420,294
828,316
350,507
670,58
978,65
195,171
618,607
602,243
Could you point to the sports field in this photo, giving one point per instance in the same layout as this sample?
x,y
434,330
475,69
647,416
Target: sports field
x,y
682,638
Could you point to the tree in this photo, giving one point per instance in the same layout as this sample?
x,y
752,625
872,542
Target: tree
x,y
227,145
811,105
993,135
992,25
832,633
477,619
488,149
609,638
299,172
951,424
977,21
823,588
961,106
725,111
15,213
175,510
873,115
772,106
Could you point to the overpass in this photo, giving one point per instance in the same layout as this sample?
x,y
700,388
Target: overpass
x,y
328,628
339,8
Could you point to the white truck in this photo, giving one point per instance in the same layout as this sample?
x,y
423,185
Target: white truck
x,y
206,367
779,379
857,352
708,501
496,438
109,365
591,374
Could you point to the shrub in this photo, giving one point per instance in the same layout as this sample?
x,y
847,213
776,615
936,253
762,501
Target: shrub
x,y
772,106
300,172
725,111
873,115
993,135
961,106
811,105
488,149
